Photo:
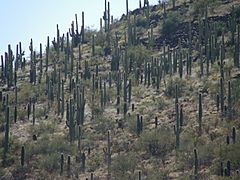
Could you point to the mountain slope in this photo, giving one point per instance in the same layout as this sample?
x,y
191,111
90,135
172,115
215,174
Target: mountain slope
x,y
154,95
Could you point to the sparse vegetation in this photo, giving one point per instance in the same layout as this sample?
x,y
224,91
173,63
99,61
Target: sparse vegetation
x,y
124,165
171,23
154,95
138,54
154,142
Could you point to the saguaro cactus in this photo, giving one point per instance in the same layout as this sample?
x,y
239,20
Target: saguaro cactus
x,y
222,95
61,164
69,166
15,113
22,156
195,162
108,153
127,7
70,121
177,130
229,100
93,45
79,137
118,94
83,158
180,68
125,94
228,168
108,16
221,169
234,135
217,102
62,109
173,4
129,91
237,43
200,113
33,113
6,139
47,54
181,115
176,94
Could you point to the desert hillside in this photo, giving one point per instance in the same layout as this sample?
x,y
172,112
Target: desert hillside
x,y
153,95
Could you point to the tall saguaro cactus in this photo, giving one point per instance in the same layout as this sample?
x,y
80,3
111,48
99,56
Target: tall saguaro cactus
x,y
6,139
16,104
69,166
105,16
177,130
125,94
195,162
108,16
61,164
237,46
93,45
173,4
234,135
200,113
127,7
108,153
82,29
62,109
47,54
229,100
70,121
22,156
222,95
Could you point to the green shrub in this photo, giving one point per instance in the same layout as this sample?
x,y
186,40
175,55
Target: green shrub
x,y
231,152
90,138
20,172
50,162
1,117
220,27
171,23
96,110
236,95
44,127
170,86
124,165
100,39
211,86
45,146
160,103
2,140
131,123
99,51
200,5
25,93
159,142
93,162
103,124
158,174
207,154
141,21
236,11
40,112
39,91
88,34
22,113
138,54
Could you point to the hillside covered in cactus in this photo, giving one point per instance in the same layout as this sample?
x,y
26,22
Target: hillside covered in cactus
x,y
154,95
